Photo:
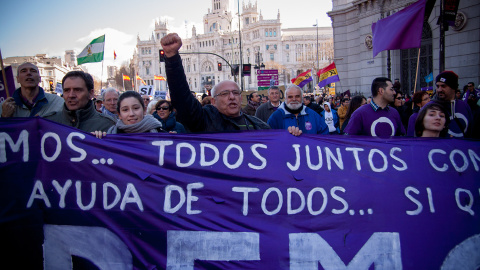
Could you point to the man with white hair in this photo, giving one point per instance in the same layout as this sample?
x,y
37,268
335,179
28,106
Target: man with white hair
x,y
293,116
110,99
224,114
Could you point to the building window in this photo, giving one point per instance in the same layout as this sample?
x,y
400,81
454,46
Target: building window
x,y
147,71
272,57
266,33
270,33
267,47
288,46
274,33
275,46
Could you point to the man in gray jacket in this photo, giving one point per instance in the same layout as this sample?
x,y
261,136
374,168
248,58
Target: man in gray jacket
x,y
30,99
266,109
79,111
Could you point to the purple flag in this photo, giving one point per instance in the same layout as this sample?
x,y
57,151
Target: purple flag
x,y
402,30
10,83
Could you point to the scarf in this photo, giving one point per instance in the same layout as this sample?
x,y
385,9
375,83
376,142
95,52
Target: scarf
x,y
254,105
107,112
148,124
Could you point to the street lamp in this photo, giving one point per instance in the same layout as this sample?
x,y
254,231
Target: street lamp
x,y
240,40
316,25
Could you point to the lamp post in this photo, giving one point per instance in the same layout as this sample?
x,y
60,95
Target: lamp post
x,y
240,41
318,66
231,31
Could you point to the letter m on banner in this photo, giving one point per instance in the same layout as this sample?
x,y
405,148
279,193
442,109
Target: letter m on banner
x,y
309,249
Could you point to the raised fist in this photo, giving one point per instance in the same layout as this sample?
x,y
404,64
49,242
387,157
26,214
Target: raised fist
x,y
171,44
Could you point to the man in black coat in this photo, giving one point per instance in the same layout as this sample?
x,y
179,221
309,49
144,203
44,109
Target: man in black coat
x,y
225,112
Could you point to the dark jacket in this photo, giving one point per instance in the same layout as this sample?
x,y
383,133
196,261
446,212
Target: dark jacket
x,y
314,106
264,111
189,110
87,119
170,124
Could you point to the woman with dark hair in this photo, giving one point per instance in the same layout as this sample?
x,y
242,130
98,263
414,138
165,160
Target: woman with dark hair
x,y
432,121
420,99
165,114
354,104
399,105
131,117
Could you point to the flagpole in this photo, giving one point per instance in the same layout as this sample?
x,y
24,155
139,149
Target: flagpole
x,y
416,73
5,84
123,81
103,57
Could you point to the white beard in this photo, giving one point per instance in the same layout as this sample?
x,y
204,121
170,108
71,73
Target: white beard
x,y
294,106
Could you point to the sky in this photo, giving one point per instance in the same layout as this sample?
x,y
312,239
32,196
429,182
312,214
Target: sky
x,y
50,27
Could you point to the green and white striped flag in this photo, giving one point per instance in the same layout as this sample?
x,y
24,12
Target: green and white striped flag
x,y
93,52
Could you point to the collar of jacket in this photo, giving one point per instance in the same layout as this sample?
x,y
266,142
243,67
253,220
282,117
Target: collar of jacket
x,y
287,113
78,116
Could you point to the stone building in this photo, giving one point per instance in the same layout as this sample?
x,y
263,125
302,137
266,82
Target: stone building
x,y
263,43
352,20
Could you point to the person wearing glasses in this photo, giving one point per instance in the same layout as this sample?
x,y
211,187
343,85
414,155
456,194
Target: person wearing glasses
x,y
224,114
471,91
165,114
420,99
146,100
399,105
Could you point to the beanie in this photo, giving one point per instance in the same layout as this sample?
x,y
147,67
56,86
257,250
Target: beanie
x,y
449,78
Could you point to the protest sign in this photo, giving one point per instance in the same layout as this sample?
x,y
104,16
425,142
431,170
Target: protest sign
x,y
246,200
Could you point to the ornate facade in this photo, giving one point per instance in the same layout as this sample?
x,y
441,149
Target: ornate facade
x,y
352,21
291,51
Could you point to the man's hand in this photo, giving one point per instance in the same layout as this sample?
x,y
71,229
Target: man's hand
x,y
171,44
295,131
8,107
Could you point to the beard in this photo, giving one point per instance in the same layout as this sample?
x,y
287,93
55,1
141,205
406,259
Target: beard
x,y
294,105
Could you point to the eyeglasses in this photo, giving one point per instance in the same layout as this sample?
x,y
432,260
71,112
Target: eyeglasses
x,y
162,109
226,93
399,98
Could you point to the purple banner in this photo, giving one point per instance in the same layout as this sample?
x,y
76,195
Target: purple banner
x,y
10,83
267,71
246,200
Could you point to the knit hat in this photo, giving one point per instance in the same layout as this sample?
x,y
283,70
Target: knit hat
x,y
449,78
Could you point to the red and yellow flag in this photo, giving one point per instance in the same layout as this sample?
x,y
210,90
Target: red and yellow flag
x,y
327,75
303,78
138,78
126,78
159,78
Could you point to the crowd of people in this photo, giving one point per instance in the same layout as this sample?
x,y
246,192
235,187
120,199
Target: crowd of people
x,y
387,112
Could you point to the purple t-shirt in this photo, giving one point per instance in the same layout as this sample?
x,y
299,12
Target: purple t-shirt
x,y
411,124
382,122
